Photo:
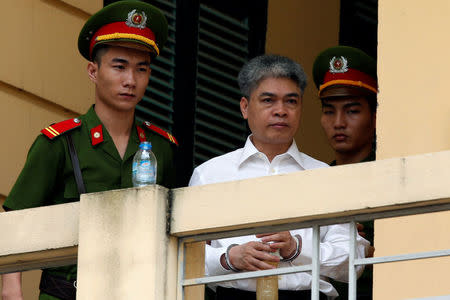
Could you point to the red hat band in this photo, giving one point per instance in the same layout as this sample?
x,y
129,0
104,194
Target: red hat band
x,y
350,77
120,30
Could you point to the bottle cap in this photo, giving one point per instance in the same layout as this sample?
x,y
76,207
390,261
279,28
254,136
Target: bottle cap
x,y
146,146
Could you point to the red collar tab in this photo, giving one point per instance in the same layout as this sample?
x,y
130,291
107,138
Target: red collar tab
x,y
97,135
121,30
141,134
158,130
57,129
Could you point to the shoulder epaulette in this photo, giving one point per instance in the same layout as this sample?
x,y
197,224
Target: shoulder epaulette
x,y
57,129
161,132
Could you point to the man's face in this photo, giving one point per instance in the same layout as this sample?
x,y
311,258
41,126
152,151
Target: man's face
x,y
348,123
273,112
121,78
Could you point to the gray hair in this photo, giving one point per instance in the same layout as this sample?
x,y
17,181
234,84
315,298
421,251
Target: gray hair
x,y
269,66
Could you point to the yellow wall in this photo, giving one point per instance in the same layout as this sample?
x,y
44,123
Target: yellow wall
x,y
301,29
42,80
42,52
42,77
413,117
25,114
413,64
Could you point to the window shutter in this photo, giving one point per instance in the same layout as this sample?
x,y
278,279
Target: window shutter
x,y
157,104
222,50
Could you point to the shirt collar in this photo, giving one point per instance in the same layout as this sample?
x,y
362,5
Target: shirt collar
x,y
92,120
296,155
250,150
93,123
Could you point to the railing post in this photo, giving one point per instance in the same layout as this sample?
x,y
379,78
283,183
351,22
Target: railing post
x,y
123,245
194,267
315,263
351,262
181,269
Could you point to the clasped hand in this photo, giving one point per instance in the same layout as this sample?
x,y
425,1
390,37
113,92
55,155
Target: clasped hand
x,y
253,256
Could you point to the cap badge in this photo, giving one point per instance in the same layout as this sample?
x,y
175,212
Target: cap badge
x,y
136,19
338,65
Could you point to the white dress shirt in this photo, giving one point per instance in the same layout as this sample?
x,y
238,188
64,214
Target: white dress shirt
x,y
248,162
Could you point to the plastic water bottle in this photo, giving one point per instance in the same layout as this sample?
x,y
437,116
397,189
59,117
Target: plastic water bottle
x,y
144,165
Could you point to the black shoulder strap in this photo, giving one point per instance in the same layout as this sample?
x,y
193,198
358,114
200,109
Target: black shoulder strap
x,y
75,165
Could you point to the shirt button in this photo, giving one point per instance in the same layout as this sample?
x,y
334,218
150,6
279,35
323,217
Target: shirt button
x,y
272,171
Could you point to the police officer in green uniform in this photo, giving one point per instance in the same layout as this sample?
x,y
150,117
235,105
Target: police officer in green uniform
x,y
347,81
119,41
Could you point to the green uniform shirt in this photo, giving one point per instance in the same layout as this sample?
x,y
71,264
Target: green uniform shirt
x,y
47,176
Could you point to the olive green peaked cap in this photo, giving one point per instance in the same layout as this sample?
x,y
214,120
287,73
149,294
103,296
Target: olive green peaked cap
x,y
134,22
345,66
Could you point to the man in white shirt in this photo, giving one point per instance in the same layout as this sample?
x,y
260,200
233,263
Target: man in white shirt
x,y
273,88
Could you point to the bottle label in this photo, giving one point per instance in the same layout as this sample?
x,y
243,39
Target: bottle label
x,y
144,171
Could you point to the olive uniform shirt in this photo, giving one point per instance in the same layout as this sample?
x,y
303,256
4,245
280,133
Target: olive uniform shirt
x,y
47,176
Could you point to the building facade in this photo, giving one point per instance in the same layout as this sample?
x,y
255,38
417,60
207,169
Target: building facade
x,y
43,80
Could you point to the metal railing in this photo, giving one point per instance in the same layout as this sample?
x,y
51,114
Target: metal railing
x,y
314,267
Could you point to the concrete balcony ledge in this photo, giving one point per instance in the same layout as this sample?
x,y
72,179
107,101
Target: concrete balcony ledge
x,y
49,236
39,237
419,181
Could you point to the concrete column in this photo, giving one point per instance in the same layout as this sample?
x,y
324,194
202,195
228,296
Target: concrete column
x,y
123,245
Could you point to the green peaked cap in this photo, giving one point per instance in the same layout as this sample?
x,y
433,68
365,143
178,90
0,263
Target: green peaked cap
x,y
124,21
343,65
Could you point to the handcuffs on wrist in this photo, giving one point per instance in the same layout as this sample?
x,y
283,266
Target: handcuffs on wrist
x,y
289,259
227,258
297,250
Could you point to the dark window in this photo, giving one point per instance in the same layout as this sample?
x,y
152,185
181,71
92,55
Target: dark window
x,y
359,25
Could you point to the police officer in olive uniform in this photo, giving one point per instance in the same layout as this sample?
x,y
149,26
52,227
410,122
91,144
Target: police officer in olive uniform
x,y
94,152
347,81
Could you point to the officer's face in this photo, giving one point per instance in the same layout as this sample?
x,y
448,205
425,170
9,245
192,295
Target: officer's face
x,y
121,78
273,113
348,123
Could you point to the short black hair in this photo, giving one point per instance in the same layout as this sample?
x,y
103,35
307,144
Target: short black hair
x,y
98,53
